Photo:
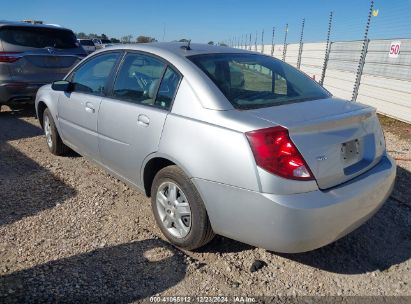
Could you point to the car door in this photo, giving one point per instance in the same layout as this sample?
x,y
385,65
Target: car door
x,y
78,109
131,119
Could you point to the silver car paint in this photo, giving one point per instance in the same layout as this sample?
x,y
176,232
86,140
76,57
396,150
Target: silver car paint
x,y
341,122
204,135
78,114
298,222
128,132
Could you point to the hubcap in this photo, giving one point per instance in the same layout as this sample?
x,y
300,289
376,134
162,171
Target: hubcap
x,y
173,209
47,131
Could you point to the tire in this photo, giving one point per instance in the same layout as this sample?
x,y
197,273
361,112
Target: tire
x,y
200,232
53,139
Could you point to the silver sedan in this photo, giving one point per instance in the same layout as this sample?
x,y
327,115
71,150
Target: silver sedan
x,y
224,141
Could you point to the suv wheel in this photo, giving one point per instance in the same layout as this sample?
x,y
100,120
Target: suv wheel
x,y
179,210
54,142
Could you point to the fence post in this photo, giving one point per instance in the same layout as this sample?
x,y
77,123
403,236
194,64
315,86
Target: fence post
x,y
327,49
359,70
363,54
262,42
300,49
272,42
250,43
255,41
285,42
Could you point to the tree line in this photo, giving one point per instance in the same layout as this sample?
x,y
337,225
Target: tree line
x,y
130,38
124,39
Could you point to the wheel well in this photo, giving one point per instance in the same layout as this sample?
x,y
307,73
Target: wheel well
x,y
150,170
40,111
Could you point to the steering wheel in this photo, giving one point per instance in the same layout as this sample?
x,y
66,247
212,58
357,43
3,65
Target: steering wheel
x,y
142,80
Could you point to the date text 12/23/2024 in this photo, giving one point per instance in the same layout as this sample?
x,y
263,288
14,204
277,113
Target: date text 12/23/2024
x,y
202,299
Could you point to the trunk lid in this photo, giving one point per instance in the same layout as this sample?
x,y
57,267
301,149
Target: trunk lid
x,y
338,139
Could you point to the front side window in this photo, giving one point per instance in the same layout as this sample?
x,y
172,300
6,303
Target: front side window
x,y
251,81
92,76
138,79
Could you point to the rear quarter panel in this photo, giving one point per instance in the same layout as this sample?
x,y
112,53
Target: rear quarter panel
x,y
209,144
209,152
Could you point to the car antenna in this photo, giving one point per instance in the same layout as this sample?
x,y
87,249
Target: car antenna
x,y
187,47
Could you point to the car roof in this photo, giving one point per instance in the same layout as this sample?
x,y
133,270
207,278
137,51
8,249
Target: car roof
x,y
178,48
4,23
176,54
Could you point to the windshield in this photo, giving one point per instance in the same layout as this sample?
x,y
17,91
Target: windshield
x,y
39,37
251,81
105,41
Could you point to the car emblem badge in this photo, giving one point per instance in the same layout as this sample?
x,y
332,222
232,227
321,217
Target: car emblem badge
x,y
50,50
322,157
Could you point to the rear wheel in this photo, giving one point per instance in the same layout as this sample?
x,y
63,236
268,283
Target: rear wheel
x,y
179,210
54,142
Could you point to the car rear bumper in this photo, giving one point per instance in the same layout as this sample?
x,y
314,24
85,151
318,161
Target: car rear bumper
x,y
297,222
18,92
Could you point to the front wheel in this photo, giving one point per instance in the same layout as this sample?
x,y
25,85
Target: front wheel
x,y
54,142
179,210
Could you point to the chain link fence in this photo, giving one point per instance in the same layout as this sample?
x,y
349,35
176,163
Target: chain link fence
x,y
358,60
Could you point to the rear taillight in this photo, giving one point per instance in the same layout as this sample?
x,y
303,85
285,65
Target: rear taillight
x,y
9,57
275,152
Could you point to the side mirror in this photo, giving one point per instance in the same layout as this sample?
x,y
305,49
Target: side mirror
x,y
61,85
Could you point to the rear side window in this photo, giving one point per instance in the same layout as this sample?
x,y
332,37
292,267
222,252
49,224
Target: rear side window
x,y
251,81
92,76
138,79
38,37
168,88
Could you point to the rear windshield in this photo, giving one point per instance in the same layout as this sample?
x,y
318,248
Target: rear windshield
x,y
38,37
251,81
87,42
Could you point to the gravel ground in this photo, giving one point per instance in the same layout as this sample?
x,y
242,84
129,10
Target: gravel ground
x,y
70,232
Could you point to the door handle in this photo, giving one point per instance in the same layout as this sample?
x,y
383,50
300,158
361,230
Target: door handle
x,y
143,120
90,107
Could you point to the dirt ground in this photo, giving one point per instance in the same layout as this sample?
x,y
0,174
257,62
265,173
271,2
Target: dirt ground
x,y
69,232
